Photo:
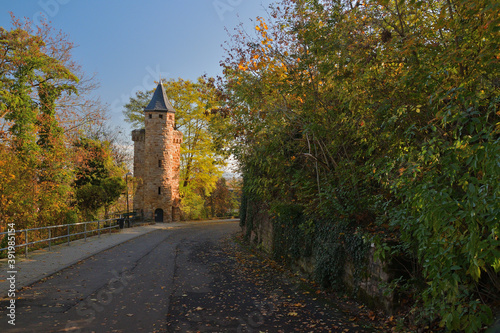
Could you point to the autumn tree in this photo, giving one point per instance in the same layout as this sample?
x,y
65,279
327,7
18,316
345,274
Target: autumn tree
x,y
44,101
33,78
222,200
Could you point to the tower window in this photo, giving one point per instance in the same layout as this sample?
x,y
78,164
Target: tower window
x,y
150,116
161,116
160,163
159,190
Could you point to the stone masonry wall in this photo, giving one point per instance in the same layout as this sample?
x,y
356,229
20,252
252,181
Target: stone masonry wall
x,y
138,136
373,285
371,288
176,166
157,162
260,224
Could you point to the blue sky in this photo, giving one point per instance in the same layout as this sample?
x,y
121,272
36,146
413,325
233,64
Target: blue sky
x,y
129,44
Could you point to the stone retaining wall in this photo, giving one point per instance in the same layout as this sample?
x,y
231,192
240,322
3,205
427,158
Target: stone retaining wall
x,y
371,288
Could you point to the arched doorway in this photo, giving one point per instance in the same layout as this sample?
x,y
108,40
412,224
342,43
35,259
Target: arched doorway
x,y
159,215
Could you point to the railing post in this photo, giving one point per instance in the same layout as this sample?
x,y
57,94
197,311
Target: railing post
x,y
99,228
68,234
110,226
50,236
85,225
26,242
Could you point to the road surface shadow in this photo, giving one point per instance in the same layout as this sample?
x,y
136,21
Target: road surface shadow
x,y
245,292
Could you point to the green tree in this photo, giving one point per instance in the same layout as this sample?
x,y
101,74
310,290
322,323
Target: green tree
x,y
134,110
99,181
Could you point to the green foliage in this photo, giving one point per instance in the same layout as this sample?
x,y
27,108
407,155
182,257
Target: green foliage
x,y
90,198
379,118
193,204
455,208
243,209
290,240
134,110
337,246
331,244
99,181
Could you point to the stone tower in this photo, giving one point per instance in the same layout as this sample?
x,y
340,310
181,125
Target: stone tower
x,y
157,161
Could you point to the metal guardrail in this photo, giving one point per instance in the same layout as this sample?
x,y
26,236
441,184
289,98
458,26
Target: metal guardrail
x,y
68,234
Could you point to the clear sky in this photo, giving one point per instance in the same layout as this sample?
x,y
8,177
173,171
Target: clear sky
x,y
130,43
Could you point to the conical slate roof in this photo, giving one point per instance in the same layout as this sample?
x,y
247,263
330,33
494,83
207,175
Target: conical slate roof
x,y
159,102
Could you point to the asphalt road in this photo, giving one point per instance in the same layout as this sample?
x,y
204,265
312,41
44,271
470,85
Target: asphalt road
x,y
127,288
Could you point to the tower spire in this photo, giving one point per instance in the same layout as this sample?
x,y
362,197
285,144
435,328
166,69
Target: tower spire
x,y
159,101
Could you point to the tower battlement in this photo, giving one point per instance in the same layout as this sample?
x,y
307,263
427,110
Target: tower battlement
x,y
138,135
